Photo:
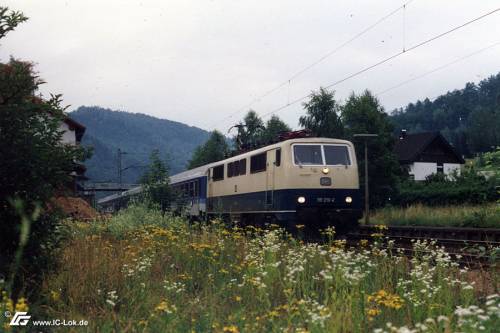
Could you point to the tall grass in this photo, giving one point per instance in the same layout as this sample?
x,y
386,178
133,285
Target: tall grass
x,y
125,275
479,216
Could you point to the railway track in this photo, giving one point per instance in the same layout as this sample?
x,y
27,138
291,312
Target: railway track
x,y
471,246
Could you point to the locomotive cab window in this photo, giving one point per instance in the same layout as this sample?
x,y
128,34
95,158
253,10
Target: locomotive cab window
x,y
307,155
258,163
218,173
321,155
336,155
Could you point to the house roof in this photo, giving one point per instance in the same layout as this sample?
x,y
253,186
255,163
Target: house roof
x,y
411,145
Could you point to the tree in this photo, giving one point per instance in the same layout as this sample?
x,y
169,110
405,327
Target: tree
x,y
363,114
483,129
156,181
250,132
35,164
469,116
215,149
322,116
9,20
274,127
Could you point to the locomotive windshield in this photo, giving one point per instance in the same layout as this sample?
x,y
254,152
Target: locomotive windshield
x,y
307,155
335,155
321,155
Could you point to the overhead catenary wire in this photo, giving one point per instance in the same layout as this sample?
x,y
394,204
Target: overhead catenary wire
x,y
316,62
385,60
467,56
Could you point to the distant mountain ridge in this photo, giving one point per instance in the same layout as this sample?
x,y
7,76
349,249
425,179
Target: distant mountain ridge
x,y
137,135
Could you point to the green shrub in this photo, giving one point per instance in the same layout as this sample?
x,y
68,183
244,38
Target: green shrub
x,y
439,190
480,216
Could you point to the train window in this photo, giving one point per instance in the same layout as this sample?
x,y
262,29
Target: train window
x,y
236,168
242,166
258,163
218,173
278,157
335,155
307,155
191,189
233,169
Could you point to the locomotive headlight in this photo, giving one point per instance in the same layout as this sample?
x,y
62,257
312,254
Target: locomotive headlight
x,y
301,200
325,171
348,199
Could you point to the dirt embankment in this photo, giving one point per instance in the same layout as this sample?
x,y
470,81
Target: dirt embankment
x,y
76,208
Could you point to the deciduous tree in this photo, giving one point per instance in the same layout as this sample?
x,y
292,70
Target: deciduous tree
x,y
364,114
35,164
322,115
156,181
274,126
215,149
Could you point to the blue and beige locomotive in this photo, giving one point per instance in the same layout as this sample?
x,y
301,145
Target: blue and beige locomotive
x,y
311,181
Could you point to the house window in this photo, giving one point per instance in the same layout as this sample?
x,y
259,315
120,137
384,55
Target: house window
x,y
218,173
440,168
258,163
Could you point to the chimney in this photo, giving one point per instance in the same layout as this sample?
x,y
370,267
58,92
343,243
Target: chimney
x,y
402,134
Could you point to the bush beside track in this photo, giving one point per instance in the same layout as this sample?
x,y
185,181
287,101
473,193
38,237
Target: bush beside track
x,y
475,216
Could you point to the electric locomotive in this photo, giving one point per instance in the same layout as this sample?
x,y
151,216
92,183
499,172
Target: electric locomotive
x,y
310,181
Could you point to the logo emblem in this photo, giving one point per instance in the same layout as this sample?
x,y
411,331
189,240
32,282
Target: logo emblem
x,y
20,319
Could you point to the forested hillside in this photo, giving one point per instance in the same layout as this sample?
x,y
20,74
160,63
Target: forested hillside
x,y
469,118
137,135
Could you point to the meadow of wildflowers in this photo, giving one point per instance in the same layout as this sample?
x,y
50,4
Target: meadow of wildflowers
x,y
167,275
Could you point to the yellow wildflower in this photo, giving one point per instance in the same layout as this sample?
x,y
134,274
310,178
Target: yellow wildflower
x,y
373,312
273,313
299,226
237,298
21,305
54,296
381,227
363,242
231,329
165,307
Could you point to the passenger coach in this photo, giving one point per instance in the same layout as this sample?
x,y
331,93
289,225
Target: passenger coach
x,y
312,181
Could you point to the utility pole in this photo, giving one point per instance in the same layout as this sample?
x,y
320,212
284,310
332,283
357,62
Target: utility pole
x,y
120,169
367,193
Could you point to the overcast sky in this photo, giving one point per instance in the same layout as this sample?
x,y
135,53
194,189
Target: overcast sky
x,y
200,61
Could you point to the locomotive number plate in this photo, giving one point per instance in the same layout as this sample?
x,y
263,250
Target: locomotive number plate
x,y
325,200
325,181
